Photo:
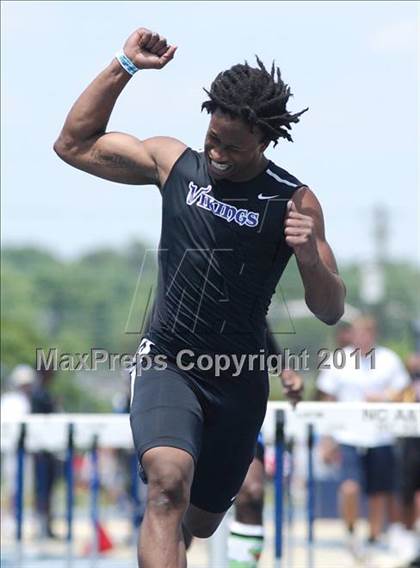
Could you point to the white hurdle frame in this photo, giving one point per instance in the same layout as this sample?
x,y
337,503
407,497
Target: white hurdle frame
x,y
113,431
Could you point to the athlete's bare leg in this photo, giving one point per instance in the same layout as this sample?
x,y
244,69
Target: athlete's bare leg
x,y
169,472
246,539
250,500
200,523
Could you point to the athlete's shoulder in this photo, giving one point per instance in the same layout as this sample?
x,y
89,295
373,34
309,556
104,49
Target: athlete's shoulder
x,y
283,177
188,166
164,149
190,162
185,155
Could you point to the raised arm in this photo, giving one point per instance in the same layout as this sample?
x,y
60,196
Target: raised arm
x,y
84,142
305,233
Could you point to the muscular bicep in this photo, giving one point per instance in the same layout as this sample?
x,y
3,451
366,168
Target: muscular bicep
x,y
124,158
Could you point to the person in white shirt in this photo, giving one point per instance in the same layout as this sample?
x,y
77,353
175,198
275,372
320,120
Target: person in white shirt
x,y
15,403
373,374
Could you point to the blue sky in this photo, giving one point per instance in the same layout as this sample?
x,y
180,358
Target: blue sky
x,y
353,63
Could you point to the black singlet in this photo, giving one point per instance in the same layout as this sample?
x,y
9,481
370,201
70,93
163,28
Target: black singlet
x,y
222,252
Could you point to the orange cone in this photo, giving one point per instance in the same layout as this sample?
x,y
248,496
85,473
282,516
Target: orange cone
x,y
104,542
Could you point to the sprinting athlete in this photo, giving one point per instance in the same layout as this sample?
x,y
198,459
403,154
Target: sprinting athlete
x,y
246,536
231,219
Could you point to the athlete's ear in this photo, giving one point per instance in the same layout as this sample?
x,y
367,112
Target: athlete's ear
x,y
264,145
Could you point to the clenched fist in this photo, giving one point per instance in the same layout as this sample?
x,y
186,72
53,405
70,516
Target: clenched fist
x,y
300,234
148,50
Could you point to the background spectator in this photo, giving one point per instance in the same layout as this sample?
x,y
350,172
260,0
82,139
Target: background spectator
x,y
45,463
367,460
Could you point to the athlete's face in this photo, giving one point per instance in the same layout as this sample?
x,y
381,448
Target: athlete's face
x,y
233,151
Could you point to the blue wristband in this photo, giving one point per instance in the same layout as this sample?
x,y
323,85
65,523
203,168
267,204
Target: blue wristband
x,y
126,63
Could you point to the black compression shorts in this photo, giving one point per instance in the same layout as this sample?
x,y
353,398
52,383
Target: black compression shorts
x,y
216,421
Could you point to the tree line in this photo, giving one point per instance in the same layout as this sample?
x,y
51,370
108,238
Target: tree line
x,y
100,298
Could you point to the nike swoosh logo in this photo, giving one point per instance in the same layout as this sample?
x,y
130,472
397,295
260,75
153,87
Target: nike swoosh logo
x,y
261,196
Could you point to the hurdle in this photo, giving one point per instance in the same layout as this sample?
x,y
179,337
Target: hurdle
x,y
278,486
323,418
89,432
69,480
20,467
310,496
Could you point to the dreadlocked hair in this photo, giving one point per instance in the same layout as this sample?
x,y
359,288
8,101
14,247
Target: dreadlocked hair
x,y
257,96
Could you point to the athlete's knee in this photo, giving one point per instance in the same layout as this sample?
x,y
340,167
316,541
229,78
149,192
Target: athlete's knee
x,y
169,487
